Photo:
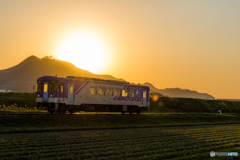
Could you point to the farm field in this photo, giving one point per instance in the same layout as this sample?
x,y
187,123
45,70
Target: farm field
x,y
137,143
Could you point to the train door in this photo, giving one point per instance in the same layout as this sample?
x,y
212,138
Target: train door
x,y
45,91
144,98
70,93
61,93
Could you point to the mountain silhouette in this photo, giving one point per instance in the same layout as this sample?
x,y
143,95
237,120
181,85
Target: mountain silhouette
x,y
178,92
23,77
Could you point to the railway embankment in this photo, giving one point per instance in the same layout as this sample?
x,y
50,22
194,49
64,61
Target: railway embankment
x,y
43,123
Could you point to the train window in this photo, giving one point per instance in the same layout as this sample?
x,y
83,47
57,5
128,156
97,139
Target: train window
x,y
70,88
117,92
131,93
101,91
124,93
54,86
61,87
109,92
39,86
45,87
93,90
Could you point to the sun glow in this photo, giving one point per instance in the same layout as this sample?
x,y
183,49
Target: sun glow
x,y
85,50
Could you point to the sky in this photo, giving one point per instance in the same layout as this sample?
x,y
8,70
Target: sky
x,y
185,44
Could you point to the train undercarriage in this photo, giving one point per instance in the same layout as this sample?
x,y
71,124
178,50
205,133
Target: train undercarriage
x,y
63,108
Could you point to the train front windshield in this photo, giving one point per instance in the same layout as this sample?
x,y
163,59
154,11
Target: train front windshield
x,y
51,86
54,86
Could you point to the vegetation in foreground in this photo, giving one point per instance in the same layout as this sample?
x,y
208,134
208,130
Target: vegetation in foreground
x,y
177,143
189,105
15,109
17,101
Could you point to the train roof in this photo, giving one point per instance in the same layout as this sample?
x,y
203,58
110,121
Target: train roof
x,y
87,79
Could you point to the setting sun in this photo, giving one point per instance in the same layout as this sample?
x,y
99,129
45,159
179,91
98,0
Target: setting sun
x,y
85,50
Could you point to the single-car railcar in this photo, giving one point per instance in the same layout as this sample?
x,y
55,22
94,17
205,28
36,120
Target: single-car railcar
x,y
72,94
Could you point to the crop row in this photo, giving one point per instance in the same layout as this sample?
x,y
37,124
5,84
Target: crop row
x,y
109,138
115,146
98,144
49,146
36,144
147,143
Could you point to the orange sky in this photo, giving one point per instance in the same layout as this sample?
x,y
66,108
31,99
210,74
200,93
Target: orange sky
x,y
187,44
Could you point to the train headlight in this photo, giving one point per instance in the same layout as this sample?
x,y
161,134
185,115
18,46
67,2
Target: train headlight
x,y
50,95
38,95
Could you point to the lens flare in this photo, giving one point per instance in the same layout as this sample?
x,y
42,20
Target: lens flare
x,y
155,97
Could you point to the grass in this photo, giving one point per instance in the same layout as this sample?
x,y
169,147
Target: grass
x,y
30,123
18,99
16,109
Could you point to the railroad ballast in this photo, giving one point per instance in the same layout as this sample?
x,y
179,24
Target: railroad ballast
x,y
72,94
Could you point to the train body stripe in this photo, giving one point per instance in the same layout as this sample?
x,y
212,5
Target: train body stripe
x,y
115,97
112,97
79,89
83,86
83,89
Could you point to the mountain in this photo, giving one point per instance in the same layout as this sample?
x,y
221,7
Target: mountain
x,y
178,92
23,77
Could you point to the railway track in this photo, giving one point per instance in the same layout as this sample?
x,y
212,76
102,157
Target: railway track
x,y
79,114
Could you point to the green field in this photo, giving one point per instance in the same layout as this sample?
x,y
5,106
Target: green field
x,y
140,143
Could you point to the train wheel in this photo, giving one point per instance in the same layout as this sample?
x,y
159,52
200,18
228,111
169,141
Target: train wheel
x,y
62,111
51,111
123,112
58,111
139,111
70,111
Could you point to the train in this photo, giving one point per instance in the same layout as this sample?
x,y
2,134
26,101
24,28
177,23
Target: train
x,y
73,94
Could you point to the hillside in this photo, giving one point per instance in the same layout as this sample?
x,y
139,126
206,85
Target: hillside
x,y
22,77
178,92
